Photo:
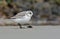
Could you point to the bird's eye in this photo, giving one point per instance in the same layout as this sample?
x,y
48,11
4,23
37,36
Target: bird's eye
x,y
30,13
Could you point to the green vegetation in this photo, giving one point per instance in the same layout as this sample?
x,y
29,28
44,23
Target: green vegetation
x,y
0,1
9,1
58,1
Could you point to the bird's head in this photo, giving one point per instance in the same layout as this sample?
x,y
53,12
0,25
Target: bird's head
x,y
29,13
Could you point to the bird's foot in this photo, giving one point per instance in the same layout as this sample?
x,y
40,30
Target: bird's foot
x,y
29,26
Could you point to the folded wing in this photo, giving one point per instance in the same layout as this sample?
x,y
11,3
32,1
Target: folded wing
x,y
19,15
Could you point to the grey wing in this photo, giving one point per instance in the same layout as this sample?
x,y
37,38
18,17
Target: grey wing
x,y
19,15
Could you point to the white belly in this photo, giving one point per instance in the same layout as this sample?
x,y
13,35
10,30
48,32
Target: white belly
x,y
22,21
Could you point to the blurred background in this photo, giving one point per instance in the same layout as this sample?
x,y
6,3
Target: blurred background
x,y
44,10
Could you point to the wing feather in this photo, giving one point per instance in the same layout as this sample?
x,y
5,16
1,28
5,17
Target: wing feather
x,y
19,15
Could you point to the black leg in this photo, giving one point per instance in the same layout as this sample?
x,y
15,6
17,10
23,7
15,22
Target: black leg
x,y
20,25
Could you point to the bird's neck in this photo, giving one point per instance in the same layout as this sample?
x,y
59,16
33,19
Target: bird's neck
x,y
27,17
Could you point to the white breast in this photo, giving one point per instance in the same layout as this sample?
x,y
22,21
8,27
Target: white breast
x,y
23,20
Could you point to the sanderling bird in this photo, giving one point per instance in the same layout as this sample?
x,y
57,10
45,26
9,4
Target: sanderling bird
x,y
23,18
